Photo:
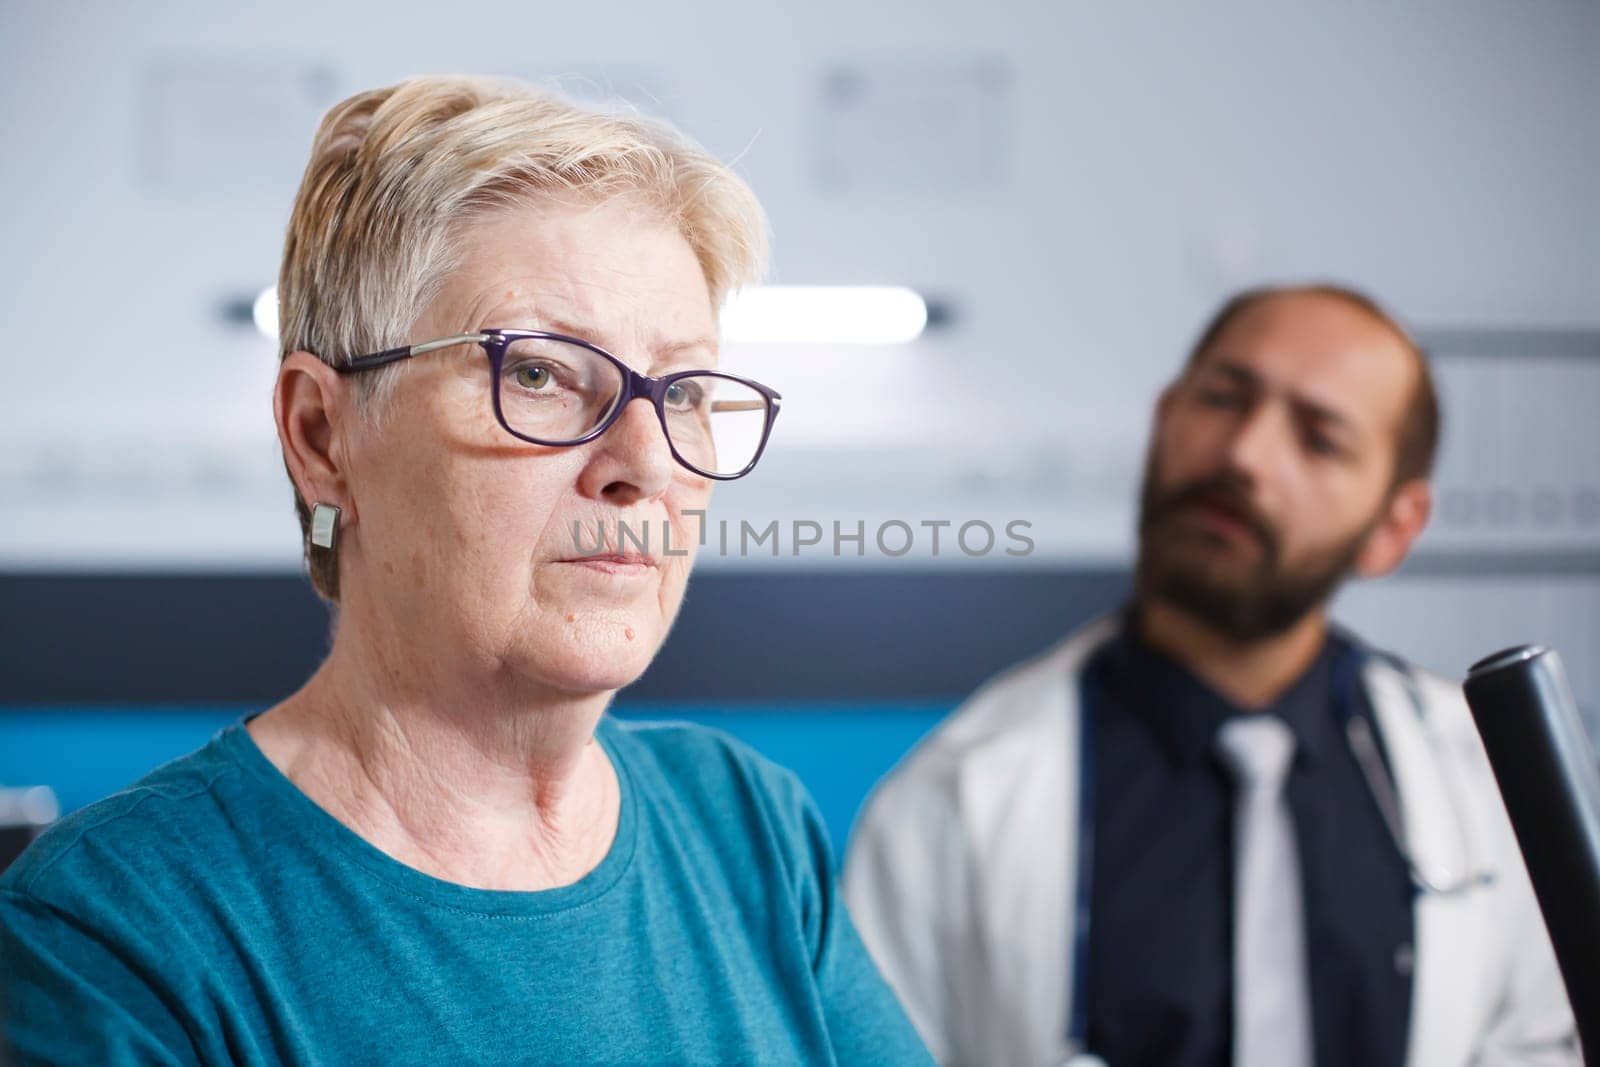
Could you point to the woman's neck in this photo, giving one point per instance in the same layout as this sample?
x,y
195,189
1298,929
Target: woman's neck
x,y
1251,674
480,784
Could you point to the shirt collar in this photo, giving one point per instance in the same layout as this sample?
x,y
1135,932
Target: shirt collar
x,y
1183,713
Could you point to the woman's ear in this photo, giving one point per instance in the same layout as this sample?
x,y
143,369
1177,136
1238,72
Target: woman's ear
x,y
310,402
1404,518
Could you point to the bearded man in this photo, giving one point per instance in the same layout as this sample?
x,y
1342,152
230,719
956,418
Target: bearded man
x,y
1215,828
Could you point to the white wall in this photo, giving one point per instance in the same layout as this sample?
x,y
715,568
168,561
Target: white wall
x,y
1137,162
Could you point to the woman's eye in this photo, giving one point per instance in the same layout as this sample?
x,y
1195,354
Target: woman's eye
x,y
532,376
683,395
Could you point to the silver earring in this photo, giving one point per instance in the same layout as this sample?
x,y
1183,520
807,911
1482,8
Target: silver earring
x,y
325,526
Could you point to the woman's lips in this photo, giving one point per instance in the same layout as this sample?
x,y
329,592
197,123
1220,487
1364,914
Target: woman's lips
x,y
631,565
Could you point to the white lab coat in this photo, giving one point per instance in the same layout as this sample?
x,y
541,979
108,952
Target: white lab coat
x,y
961,870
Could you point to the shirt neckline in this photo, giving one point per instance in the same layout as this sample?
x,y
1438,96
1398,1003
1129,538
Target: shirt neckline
x,y
321,830
1184,713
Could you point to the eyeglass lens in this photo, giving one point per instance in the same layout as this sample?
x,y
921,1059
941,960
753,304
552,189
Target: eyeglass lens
x,y
558,392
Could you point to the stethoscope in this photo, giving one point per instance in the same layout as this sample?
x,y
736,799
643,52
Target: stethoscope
x,y
1352,660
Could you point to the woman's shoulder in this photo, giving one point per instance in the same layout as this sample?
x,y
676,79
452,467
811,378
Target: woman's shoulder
x,y
678,740
92,849
704,753
712,771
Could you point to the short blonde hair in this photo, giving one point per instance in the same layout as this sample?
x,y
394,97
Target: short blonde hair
x,y
396,174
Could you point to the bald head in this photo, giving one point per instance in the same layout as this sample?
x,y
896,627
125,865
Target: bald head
x,y
1337,315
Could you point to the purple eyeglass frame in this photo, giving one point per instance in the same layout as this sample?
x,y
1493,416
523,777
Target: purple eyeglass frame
x,y
635,386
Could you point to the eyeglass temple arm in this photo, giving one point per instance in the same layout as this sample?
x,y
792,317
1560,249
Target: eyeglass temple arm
x,y
738,405
395,355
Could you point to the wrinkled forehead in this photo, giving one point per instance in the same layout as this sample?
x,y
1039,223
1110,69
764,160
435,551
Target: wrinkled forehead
x,y
621,271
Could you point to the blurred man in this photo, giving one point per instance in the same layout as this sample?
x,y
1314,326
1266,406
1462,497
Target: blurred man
x,y
1214,828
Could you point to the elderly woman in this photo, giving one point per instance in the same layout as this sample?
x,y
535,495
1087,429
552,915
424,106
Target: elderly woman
x,y
499,405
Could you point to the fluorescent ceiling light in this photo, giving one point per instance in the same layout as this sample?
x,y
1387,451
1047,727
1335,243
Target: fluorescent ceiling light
x,y
265,311
825,314
778,314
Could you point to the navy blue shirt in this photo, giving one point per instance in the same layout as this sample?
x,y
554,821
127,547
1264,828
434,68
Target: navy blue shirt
x,y
1160,949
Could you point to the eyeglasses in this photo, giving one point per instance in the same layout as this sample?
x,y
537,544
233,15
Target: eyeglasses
x,y
551,389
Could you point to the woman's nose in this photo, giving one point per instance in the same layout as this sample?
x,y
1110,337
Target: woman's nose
x,y
632,460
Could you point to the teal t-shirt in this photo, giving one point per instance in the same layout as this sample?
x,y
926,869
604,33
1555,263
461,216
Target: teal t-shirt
x,y
212,913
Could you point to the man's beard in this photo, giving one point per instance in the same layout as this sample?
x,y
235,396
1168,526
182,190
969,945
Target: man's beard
x,y
1266,599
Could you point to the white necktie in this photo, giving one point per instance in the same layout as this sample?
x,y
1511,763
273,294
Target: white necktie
x,y
1271,986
